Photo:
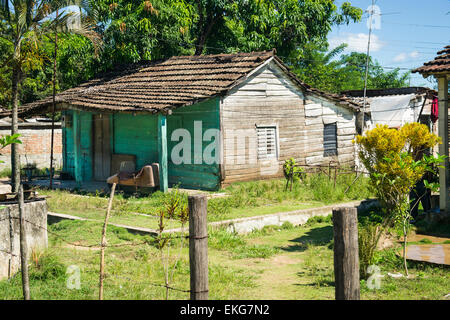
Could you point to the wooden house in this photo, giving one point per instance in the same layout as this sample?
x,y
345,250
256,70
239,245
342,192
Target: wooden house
x,y
246,112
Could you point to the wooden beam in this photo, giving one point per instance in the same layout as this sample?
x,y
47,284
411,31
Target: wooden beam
x,y
444,175
163,153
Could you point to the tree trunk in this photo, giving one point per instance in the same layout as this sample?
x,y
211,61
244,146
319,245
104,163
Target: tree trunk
x,y
405,241
15,157
54,107
206,31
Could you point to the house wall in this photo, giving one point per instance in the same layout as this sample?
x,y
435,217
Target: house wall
x,y
201,118
269,97
77,144
138,135
36,145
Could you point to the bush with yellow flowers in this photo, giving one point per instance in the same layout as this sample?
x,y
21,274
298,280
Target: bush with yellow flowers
x,y
396,161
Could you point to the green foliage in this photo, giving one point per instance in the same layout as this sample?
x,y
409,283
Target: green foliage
x,y
134,30
223,240
395,161
368,238
335,72
8,140
46,266
291,171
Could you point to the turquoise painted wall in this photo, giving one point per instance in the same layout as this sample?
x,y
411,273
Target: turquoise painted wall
x,y
196,176
138,135
68,146
80,146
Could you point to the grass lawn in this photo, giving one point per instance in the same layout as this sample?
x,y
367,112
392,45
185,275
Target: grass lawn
x,y
274,263
244,200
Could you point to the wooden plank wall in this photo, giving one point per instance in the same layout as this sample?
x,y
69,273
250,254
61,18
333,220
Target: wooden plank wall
x,y
195,175
269,98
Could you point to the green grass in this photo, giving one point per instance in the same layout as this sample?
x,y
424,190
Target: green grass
x,y
277,262
245,199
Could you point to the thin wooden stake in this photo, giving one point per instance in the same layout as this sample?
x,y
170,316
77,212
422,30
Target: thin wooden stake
x,y
346,256
102,256
23,247
198,247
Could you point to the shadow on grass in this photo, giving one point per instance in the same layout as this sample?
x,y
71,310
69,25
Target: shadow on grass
x,y
319,236
318,281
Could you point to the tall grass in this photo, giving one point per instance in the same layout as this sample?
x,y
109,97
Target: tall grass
x,y
314,188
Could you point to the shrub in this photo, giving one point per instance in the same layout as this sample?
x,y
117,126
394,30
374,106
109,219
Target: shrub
x,y
368,237
289,168
46,266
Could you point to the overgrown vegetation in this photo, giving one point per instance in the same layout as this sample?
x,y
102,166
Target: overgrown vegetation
x,y
277,262
240,200
396,161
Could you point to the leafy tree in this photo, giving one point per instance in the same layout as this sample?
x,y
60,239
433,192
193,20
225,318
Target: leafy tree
x,y
336,72
253,25
143,30
24,25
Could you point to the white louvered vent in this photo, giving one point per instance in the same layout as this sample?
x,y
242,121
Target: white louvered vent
x,y
267,143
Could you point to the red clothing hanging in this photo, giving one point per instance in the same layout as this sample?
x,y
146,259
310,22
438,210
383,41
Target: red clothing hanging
x,y
435,110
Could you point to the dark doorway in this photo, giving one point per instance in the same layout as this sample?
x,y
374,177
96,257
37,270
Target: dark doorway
x,y
102,147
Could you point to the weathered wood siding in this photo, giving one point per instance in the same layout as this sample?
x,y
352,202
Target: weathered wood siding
x,y
319,112
270,98
197,174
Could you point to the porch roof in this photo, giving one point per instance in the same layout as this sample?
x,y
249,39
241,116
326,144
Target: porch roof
x,y
441,64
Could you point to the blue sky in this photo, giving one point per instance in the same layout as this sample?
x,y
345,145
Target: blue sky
x,y
411,33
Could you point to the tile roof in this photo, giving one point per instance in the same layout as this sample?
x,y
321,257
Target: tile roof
x,y
161,85
440,64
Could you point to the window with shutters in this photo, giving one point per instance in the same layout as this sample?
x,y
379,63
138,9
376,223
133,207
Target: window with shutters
x,y
330,140
267,142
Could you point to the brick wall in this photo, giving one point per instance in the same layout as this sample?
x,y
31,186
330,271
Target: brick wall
x,y
35,147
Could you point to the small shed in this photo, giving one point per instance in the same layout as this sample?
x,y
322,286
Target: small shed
x,y
207,120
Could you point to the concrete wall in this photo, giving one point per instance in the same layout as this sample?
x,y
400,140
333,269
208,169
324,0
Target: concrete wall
x,y
36,145
35,230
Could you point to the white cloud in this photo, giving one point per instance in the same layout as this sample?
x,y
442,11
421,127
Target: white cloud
x,y
404,56
357,42
414,54
400,57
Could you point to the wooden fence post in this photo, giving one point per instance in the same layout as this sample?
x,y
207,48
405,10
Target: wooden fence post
x,y
198,247
346,256
23,247
104,243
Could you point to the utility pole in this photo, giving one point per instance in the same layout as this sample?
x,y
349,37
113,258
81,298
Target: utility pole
x,y
367,68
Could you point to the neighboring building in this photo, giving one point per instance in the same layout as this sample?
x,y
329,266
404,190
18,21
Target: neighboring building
x,y
36,143
440,69
256,110
395,107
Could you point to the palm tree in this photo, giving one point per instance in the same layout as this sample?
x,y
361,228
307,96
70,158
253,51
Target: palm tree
x,y
26,23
